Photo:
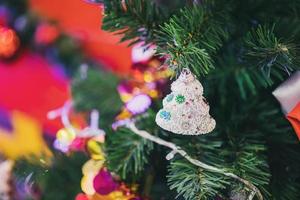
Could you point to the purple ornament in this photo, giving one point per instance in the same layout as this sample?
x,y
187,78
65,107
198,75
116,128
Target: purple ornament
x,y
104,183
139,104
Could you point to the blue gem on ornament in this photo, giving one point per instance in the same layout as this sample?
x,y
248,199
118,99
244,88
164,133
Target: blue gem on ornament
x,y
170,97
165,115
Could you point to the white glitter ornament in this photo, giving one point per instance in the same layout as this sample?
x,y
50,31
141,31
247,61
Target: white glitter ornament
x,y
185,110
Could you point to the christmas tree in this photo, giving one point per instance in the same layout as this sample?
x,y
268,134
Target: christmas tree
x,y
240,51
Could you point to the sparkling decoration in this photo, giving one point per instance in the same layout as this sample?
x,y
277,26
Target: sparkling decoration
x,y
9,42
189,113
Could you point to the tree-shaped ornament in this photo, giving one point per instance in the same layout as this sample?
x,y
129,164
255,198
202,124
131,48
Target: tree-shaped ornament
x,y
185,111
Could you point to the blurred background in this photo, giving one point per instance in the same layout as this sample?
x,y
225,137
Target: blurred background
x,y
42,43
44,47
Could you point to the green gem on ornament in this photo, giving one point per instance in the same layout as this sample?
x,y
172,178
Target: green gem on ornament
x,y
170,97
165,115
180,99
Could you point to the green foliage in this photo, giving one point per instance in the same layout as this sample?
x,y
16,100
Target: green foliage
x,y
251,164
194,183
127,153
98,90
60,180
133,19
270,54
285,167
246,158
189,43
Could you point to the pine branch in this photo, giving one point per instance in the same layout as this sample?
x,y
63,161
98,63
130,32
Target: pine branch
x,y
271,55
127,153
250,163
134,20
187,42
176,149
285,168
194,183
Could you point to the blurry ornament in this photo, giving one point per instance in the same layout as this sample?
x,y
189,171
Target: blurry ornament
x,y
66,135
87,184
121,196
92,167
93,129
21,24
95,150
22,74
64,139
78,144
139,104
115,195
89,170
97,43
5,182
81,196
71,138
288,95
9,42
144,86
46,34
142,53
24,127
185,110
104,183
